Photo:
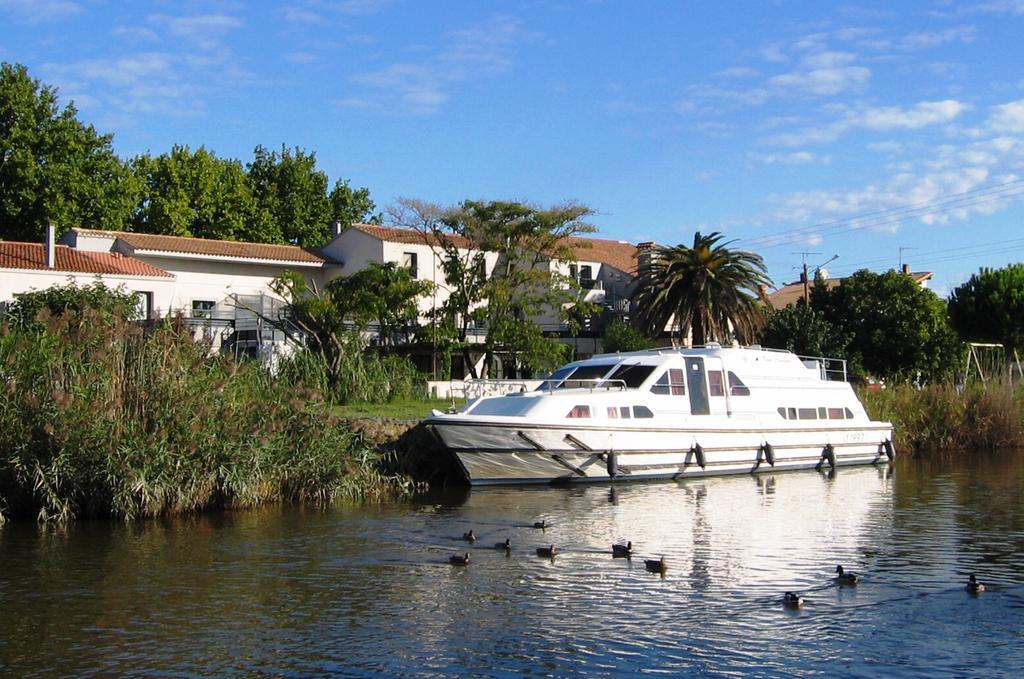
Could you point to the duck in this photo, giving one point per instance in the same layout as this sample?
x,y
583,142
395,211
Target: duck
x,y
973,586
549,551
542,524
459,559
469,537
507,545
792,600
656,565
845,577
625,550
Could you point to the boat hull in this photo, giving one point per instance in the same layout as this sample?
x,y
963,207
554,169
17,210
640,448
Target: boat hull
x,y
494,454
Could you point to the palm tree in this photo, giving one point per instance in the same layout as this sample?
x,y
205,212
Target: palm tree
x,y
706,291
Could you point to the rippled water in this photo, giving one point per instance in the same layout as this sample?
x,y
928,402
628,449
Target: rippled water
x,y
370,591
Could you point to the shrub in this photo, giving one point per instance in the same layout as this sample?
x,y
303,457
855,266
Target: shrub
x,y
99,419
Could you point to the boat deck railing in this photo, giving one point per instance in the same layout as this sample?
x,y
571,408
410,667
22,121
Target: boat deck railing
x,y
592,385
830,369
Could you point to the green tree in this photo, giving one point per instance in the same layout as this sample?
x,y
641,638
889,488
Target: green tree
x,y
385,294
352,206
621,336
291,194
54,168
498,258
332,319
803,330
197,194
990,308
708,291
898,329
70,301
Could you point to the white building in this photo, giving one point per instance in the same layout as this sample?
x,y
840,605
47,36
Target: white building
x,y
224,287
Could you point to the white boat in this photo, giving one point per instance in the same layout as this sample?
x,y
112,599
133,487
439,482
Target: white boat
x,y
667,413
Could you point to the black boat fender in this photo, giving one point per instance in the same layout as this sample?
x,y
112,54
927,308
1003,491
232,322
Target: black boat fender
x,y
829,453
890,450
698,452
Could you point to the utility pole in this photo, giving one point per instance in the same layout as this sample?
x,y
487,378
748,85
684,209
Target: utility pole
x,y
902,248
803,277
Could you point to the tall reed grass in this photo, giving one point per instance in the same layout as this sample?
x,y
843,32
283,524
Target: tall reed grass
x,y
98,418
943,417
362,376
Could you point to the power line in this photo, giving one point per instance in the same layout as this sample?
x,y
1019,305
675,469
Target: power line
x,y
958,201
948,254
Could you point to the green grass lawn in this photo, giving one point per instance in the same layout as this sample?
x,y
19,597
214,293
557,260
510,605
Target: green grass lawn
x,y
413,409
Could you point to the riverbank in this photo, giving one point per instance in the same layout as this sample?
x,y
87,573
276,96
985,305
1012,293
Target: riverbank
x,y
941,418
101,419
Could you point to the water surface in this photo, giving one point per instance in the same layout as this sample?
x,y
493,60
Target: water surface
x,y
298,592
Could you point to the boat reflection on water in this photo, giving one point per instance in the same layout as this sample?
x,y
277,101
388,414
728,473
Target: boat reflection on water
x,y
371,590
757,531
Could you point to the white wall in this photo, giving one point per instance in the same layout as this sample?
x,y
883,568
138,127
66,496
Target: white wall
x,y
14,281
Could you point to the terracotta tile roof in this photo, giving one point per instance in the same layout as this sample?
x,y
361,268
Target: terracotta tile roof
x,y
33,256
412,236
615,253
214,248
791,292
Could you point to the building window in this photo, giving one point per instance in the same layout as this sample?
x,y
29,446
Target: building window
x,y
144,304
409,261
202,308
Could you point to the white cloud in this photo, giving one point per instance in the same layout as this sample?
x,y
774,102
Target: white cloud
x,y
878,119
203,30
795,158
301,15
300,57
423,87
915,117
40,11
136,33
930,39
1001,7
1007,117
926,190
738,72
823,73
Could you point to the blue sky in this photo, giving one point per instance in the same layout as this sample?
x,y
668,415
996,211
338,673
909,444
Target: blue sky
x,y
877,131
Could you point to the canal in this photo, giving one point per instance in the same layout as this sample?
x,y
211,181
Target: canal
x,y
290,591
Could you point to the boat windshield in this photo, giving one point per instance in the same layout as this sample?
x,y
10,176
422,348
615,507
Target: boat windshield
x,y
574,377
631,375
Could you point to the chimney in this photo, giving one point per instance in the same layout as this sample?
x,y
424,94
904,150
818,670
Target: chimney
x,y
336,228
906,269
51,246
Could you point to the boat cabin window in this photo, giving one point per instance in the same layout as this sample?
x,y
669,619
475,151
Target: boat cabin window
x,y
574,377
816,413
715,385
672,381
736,386
556,378
633,375
579,411
586,376
642,411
